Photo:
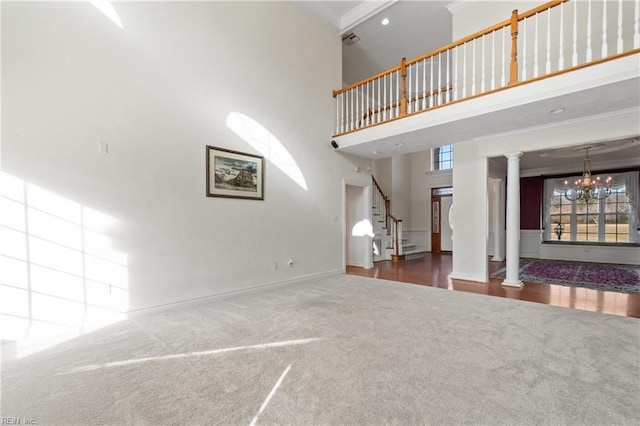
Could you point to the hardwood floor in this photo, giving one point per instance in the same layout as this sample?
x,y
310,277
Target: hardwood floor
x,y
435,269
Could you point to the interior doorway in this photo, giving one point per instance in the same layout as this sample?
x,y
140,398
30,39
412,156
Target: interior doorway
x,y
442,220
357,227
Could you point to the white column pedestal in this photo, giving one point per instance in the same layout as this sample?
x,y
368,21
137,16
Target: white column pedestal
x,y
513,220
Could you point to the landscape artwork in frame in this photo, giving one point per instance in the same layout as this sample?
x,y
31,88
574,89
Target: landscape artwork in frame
x,y
234,174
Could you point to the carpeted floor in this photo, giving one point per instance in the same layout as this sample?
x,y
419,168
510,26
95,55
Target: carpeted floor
x,y
340,350
596,276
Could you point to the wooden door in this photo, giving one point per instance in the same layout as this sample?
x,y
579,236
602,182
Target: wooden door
x,y
438,218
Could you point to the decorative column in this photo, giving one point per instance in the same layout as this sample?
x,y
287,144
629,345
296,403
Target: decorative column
x,y
498,226
513,220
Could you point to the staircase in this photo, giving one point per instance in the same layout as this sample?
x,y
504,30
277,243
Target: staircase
x,y
388,241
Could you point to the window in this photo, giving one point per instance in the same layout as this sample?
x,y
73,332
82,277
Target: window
x,y
610,220
443,158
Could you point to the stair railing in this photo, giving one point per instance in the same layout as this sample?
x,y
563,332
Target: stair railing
x,y
553,38
382,208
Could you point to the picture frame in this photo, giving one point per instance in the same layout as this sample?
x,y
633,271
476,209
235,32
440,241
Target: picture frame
x,y
234,174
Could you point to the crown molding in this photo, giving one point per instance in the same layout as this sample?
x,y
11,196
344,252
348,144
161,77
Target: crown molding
x,y
456,5
361,13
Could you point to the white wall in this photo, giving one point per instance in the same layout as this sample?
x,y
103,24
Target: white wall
x,y
381,170
474,16
401,189
157,92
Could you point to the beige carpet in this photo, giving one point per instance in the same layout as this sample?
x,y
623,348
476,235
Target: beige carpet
x,y
340,350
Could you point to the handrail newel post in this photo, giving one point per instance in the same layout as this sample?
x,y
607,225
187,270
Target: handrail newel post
x,y
513,71
403,75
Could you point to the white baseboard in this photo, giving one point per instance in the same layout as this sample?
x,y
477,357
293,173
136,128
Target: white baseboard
x,y
469,277
159,308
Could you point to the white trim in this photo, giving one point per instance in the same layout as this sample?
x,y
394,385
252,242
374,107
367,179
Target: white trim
x,y
361,13
136,313
469,277
457,5
576,121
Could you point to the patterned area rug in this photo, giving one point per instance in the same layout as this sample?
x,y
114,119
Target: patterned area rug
x,y
596,276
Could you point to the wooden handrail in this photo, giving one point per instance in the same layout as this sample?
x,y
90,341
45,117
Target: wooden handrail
x,y
389,217
375,183
366,80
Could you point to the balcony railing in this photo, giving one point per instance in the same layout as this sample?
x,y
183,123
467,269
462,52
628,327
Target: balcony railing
x,y
556,37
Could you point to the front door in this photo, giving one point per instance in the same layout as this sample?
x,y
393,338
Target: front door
x,y
441,231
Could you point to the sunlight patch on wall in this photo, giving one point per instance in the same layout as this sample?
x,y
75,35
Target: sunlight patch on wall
x,y
59,273
362,228
266,144
108,10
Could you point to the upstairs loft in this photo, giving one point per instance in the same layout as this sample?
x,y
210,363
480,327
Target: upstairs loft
x,y
581,58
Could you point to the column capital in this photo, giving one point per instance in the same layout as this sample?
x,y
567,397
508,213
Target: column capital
x,y
511,155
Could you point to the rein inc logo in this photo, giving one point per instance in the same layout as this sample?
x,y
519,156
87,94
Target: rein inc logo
x,y
17,421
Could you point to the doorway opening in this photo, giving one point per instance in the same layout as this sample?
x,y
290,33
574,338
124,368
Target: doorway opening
x,y
442,220
357,228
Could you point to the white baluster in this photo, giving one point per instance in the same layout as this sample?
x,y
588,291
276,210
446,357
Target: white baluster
x,y
366,115
504,78
493,59
379,116
448,96
482,87
416,106
574,56
636,25
605,48
424,83
440,78
464,71
355,108
535,47
620,43
398,93
431,85
337,114
473,67
455,75
362,106
589,50
351,123
548,64
409,91
384,96
561,48
524,50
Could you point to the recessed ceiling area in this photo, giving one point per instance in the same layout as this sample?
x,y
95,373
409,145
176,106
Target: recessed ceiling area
x,y
414,28
608,155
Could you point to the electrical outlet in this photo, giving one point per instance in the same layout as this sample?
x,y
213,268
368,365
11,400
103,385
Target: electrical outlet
x,y
290,263
275,265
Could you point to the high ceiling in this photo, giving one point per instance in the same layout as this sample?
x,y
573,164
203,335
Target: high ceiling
x,y
414,28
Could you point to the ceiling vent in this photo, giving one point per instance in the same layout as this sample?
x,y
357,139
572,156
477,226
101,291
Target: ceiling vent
x,y
350,38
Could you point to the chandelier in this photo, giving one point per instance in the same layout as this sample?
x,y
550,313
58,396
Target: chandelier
x,y
588,188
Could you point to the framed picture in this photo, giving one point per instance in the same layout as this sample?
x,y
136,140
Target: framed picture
x,y
234,174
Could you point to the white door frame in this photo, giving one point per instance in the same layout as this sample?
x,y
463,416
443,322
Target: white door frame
x,y
368,241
